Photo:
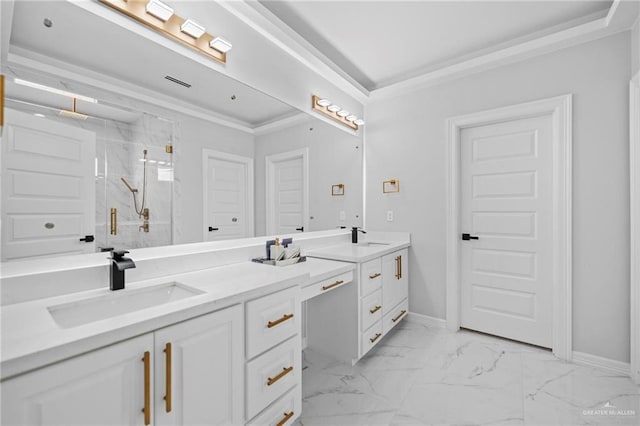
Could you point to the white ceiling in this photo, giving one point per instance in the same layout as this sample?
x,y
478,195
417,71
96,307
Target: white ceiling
x,y
83,39
382,42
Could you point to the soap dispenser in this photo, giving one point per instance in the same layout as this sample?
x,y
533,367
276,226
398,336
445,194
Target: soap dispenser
x,y
277,250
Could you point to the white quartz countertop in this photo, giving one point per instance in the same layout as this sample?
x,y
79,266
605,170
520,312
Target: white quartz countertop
x,y
363,251
31,338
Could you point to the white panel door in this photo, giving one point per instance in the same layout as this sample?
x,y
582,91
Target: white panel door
x,y
506,274
103,387
48,187
287,195
227,213
206,371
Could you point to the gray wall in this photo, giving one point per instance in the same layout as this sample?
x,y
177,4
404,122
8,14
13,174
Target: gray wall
x,y
635,47
406,139
194,135
335,157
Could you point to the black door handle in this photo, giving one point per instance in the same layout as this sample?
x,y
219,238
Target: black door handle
x,y
213,229
301,229
87,239
467,237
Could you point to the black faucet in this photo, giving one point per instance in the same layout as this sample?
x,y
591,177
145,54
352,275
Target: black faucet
x,y
118,264
354,234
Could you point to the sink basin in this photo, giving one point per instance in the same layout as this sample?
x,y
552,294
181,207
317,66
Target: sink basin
x,y
371,244
119,302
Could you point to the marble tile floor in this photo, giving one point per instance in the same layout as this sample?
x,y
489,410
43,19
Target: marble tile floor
x,y
420,375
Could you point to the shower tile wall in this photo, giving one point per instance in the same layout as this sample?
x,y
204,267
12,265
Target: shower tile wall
x,y
125,158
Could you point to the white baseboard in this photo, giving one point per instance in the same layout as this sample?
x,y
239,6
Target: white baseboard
x,y
612,365
426,320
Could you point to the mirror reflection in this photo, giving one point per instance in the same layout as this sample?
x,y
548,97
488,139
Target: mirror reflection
x,y
123,157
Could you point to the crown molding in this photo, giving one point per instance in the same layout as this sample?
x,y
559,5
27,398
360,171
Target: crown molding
x,y
282,123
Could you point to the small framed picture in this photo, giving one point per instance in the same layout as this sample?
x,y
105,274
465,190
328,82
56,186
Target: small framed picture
x,y
337,190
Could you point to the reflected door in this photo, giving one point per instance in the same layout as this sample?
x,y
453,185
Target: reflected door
x,y
287,192
507,191
228,193
48,188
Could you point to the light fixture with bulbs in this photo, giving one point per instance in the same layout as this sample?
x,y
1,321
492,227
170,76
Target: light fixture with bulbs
x,y
162,18
326,107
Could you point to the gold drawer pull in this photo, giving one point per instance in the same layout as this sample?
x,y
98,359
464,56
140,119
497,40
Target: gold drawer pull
x,y
376,337
399,267
284,318
327,287
284,372
167,397
376,309
147,388
376,275
402,312
286,417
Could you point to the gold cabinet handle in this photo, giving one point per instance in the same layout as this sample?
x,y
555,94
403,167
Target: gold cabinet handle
x,y
376,337
284,372
286,417
402,312
167,396
399,267
327,287
284,318
114,221
375,309
374,276
147,388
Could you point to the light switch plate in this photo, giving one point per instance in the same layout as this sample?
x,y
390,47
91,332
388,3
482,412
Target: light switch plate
x,y
389,215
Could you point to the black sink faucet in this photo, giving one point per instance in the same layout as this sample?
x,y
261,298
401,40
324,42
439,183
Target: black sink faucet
x,y
354,234
118,264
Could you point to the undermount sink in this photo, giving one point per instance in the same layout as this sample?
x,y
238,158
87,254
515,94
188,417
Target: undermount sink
x,y
121,302
371,244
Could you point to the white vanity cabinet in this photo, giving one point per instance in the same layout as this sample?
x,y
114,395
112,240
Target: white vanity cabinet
x,y
383,296
137,381
274,358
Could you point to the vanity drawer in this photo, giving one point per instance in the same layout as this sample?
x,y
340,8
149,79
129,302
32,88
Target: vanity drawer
x,y
394,316
370,276
271,320
283,412
327,285
272,374
369,338
370,309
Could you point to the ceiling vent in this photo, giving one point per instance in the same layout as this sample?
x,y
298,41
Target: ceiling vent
x,y
175,80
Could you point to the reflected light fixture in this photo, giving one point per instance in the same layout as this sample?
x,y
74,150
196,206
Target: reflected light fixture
x,y
159,10
192,28
220,44
335,112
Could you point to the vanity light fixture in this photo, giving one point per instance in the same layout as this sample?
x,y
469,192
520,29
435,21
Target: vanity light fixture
x,y
335,112
160,10
53,90
220,45
192,28
359,122
185,31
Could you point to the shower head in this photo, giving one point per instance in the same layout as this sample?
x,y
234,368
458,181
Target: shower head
x,y
134,190
73,113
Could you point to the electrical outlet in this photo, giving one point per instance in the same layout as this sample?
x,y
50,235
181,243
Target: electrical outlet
x,y
342,216
389,215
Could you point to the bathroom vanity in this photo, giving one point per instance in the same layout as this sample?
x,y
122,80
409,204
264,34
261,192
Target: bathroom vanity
x,y
216,345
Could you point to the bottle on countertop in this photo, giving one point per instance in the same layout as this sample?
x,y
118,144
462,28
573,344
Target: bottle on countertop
x,y
277,250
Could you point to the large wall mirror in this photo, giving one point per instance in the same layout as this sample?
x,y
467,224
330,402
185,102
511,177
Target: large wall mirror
x,y
113,141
